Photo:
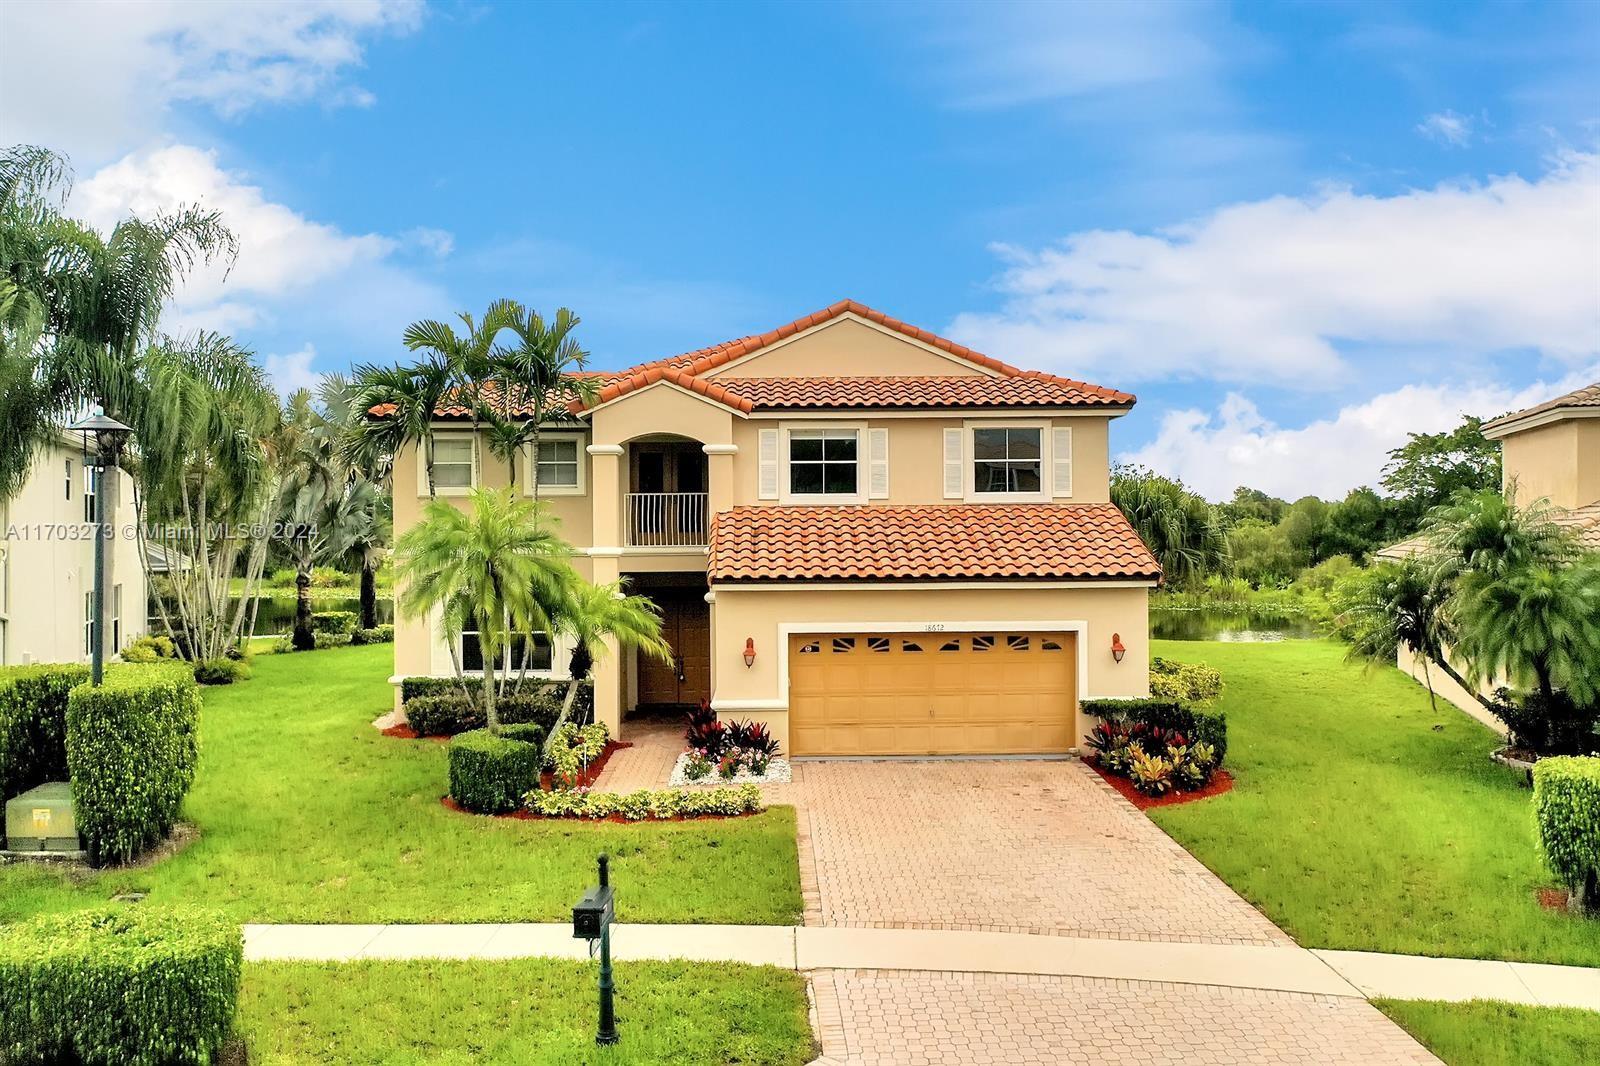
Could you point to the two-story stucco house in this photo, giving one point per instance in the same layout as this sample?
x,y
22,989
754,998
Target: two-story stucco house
x,y
871,538
47,563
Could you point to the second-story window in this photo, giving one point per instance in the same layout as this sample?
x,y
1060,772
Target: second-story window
x,y
91,493
1006,461
452,462
824,462
69,479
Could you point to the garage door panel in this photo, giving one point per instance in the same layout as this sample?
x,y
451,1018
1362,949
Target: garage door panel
x,y
956,693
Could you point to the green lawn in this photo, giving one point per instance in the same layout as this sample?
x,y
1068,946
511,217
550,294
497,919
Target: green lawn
x,y
1362,819
1483,1033
307,814
522,1011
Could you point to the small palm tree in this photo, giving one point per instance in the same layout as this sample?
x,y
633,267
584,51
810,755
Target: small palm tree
x,y
497,564
600,611
1180,528
1535,624
1389,607
406,398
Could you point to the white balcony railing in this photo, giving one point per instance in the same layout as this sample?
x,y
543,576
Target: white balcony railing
x,y
666,519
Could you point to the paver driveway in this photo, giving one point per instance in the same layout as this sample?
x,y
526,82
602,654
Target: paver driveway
x,y
1026,846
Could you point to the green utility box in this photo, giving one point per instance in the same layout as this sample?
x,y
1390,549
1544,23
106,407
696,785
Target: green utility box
x,y
41,820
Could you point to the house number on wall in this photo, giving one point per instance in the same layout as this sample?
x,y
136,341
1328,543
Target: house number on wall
x,y
933,627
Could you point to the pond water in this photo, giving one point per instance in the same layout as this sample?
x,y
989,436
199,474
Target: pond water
x,y
276,613
1201,623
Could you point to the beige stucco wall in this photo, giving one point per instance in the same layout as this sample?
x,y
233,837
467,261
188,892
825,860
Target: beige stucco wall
x,y
1559,462
759,692
847,347
49,565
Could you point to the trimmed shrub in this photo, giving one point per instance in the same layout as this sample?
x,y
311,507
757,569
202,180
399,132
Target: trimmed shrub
x,y
382,634
128,986
490,774
33,724
324,639
1197,724
1554,726
221,671
551,690
1184,682
448,711
333,621
646,804
1566,811
572,748
132,747
443,715
149,648
540,706
527,732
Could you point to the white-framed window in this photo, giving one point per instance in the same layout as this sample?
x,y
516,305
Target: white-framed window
x,y
88,623
1007,462
455,464
541,655
69,479
91,494
558,468
116,618
823,463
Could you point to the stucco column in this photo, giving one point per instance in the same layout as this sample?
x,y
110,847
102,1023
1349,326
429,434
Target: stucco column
x,y
605,489
719,476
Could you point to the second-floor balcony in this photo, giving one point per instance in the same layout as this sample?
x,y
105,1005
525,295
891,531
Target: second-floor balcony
x,y
667,519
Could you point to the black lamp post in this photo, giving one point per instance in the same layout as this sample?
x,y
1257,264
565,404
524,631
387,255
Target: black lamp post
x,y
109,436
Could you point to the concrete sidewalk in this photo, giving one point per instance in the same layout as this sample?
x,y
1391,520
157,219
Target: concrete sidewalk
x,y
1348,974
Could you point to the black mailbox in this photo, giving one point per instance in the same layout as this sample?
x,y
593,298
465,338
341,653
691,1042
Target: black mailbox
x,y
592,913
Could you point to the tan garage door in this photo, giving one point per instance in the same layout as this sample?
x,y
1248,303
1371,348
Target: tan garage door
x,y
931,693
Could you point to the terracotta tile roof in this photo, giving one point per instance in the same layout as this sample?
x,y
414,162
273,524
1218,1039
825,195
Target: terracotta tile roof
x,y
930,542
713,390
1588,396
1023,390
1585,521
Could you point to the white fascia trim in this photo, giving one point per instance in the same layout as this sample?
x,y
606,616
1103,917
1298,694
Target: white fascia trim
x,y
1076,626
664,549
749,705
803,584
853,317
720,449
718,404
1544,418
604,553
604,449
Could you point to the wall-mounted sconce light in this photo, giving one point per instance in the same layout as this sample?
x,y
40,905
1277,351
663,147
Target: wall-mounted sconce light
x,y
749,652
1117,650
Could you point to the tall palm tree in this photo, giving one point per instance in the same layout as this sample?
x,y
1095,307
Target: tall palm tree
x,y
1535,624
542,373
344,421
494,564
404,399
598,612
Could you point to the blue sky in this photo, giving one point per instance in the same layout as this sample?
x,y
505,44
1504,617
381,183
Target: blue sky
x,y
1297,230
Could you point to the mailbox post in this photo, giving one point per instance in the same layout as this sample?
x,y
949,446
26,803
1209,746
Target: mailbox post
x,y
591,921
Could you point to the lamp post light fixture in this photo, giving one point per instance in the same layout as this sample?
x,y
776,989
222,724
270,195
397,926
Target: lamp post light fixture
x,y
109,437
591,920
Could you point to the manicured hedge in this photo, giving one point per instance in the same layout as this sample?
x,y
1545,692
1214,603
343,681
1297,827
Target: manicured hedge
x,y
129,986
33,724
451,712
132,747
221,671
1195,723
1566,810
532,688
333,621
646,804
490,774
381,634
1189,683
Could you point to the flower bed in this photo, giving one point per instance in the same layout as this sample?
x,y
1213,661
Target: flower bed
x,y
653,805
1155,761
695,769
1221,781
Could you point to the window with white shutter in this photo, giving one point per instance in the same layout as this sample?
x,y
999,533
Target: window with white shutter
x,y
878,458
1061,462
767,462
954,474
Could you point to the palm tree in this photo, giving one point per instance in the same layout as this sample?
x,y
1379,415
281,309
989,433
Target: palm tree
x,y
404,399
541,373
496,564
1181,529
1535,624
598,612
344,420
1390,607
1488,533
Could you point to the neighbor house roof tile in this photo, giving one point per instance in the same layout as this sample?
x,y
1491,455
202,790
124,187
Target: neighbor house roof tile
x,y
928,542
1587,396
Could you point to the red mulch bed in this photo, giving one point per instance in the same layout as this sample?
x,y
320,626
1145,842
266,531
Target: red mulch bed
x,y
1553,899
405,732
1221,782
529,816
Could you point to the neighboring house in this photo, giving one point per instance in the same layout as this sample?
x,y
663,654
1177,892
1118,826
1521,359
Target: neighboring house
x,y
873,539
1549,452
47,562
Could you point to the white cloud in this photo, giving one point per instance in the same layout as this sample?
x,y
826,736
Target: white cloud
x,y
293,371
95,78
1217,452
280,251
1448,128
1283,289
436,242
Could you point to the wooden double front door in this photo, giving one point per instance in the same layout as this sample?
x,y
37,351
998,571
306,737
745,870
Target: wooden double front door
x,y
686,625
